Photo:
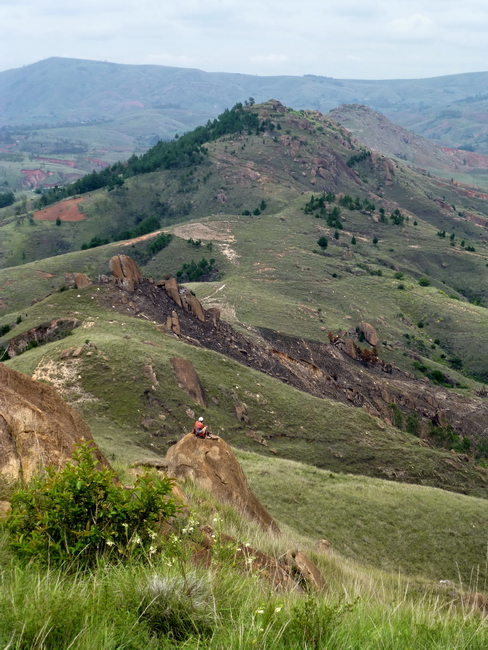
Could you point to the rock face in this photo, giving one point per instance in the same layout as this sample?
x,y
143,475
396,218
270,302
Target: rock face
x,y
188,379
44,333
124,268
212,464
36,427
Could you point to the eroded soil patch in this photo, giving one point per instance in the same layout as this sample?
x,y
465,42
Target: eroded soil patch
x,y
65,211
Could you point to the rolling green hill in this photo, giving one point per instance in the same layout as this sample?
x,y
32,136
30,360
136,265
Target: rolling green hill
x,y
405,252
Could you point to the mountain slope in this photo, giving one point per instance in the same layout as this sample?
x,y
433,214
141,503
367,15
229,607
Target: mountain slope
x,y
242,199
58,89
378,133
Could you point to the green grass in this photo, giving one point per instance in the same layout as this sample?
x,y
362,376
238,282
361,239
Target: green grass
x,y
163,601
414,530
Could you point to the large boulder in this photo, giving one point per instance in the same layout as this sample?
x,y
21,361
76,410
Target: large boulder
x,y
37,428
369,333
124,268
212,464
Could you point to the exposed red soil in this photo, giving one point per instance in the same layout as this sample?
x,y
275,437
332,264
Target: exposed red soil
x,y
472,159
65,210
58,161
43,274
34,177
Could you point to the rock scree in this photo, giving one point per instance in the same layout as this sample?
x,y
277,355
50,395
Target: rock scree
x,y
212,464
37,428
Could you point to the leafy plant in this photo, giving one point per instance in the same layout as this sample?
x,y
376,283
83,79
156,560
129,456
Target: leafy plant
x,y
314,621
82,512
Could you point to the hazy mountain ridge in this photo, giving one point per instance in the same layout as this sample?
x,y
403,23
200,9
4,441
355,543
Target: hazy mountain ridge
x,y
57,90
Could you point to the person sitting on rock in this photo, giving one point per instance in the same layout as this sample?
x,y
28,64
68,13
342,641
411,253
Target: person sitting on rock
x,y
201,431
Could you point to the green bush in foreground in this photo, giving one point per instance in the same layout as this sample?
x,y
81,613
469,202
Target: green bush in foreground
x,y
81,513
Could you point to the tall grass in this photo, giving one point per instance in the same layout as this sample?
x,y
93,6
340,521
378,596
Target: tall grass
x,y
153,605
164,601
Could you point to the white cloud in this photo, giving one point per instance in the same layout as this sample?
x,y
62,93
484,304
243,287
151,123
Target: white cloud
x,y
340,38
411,27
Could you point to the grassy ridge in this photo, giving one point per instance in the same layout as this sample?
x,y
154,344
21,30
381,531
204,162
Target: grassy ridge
x,y
411,529
129,416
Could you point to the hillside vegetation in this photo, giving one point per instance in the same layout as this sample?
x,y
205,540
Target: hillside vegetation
x,y
309,244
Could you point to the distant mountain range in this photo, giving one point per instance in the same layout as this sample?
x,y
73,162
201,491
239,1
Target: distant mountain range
x,y
450,110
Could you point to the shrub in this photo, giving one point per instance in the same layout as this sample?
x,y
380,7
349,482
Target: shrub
x,y
456,363
424,282
322,242
413,425
314,621
178,606
81,513
397,416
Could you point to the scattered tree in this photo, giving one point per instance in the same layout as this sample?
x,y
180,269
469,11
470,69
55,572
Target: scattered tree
x,y
322,242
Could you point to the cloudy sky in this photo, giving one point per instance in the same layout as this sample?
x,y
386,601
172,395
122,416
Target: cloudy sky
x,y
349,39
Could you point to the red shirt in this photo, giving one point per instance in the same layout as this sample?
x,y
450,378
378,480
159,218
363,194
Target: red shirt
x,y
198,427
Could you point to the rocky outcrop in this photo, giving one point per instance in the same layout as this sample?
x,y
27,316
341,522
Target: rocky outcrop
x,y
77,280
188,379
212,464
303,567
384,166
37,428
82,281
125,269
173,323
183,297
54,330
191,303
293,571
317,368
171,288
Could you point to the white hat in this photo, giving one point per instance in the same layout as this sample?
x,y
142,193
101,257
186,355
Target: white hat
x,y
200,419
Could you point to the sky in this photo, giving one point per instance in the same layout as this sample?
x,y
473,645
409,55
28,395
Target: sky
x,y
345,39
